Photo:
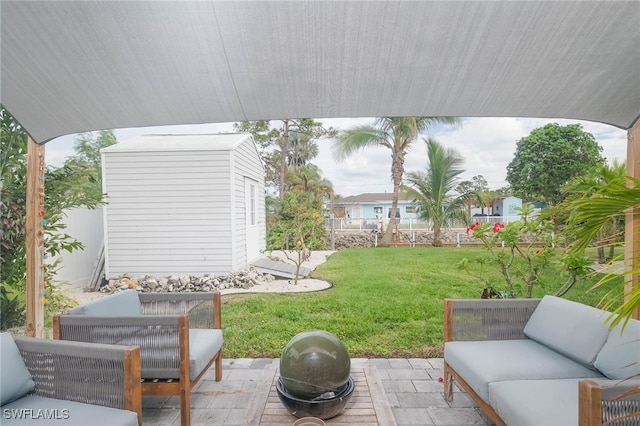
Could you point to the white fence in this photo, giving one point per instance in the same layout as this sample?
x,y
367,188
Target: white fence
x,y
408,224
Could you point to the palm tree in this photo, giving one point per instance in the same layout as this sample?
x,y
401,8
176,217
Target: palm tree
x,y
396,134
592,213
597,180
431,188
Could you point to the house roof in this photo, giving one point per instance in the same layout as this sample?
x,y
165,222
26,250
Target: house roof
x,y
176,142
369,198
75,66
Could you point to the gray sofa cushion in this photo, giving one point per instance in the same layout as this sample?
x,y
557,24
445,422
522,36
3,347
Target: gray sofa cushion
x,y
15,379
41,411
124,303
536,402
480,363
619,358
575,330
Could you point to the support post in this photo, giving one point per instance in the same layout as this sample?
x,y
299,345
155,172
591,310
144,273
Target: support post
x,y
632,218
35,239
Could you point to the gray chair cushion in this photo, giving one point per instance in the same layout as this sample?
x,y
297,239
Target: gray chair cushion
x,y
38,410
161,362
203,345
123,303
536,402
15,379
619,358
480,363
575,330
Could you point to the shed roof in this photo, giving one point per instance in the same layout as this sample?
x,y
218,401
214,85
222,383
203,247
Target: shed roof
x,y
177,142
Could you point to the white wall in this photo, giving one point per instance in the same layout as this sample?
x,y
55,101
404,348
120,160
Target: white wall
x,y
87,227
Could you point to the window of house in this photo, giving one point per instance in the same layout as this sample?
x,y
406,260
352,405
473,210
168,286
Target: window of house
x,y
410,209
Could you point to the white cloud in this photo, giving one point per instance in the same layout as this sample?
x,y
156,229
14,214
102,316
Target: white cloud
x,y
486,144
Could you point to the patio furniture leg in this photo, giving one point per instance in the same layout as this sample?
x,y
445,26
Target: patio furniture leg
x,y
448,383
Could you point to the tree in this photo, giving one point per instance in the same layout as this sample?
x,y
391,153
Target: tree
x,y
589,215
596,181
476,189
87,147
64,189
298,226
395,133
294,144
548,159
431,189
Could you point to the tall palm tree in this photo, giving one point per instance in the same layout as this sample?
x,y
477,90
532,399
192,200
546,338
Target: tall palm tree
x,y
431,189
396,134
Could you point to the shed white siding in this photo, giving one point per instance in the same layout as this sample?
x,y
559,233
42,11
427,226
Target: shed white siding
x,y
175,205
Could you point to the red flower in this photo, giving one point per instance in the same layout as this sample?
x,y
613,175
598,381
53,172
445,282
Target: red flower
x,y
472,227
497,227
441,379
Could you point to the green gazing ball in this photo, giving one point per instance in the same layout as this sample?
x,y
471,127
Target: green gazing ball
x,y
313,363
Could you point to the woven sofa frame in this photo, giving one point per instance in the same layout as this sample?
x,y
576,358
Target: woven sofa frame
x,y
73,371
167,317
505,319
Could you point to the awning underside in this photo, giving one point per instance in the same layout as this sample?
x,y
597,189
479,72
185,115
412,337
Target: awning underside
x,y
69,67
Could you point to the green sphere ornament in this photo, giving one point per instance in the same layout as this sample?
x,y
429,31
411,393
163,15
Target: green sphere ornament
x,y
314,363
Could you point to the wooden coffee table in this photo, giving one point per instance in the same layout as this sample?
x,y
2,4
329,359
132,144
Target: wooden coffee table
x,y
367,406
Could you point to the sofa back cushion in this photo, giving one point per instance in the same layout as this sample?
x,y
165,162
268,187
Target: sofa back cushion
x,y
575,330
124,303
15,379
619,358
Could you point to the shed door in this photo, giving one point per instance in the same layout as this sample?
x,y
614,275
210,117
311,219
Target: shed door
x,y
252,229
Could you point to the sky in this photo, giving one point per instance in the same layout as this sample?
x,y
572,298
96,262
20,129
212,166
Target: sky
x,y
486,144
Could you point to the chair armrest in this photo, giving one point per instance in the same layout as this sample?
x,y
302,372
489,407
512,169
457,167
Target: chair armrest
x,y
601,401
486,319
96,374
203,308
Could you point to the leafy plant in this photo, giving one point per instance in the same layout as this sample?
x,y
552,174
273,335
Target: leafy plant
x,y
520,250
299,226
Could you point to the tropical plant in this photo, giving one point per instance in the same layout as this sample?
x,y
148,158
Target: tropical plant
x,y
589,215
431,189
599,178
521,250
396,134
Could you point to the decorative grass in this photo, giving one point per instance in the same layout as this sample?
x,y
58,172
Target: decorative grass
x,y
385,302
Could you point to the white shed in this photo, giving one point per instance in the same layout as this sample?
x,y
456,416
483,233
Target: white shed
x,y
183,204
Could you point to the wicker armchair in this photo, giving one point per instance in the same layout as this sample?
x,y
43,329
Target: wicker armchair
x,y
600,400
77,380
179,335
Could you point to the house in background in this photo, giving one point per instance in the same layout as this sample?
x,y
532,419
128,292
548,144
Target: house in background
x,y
373,206
183,204
506,207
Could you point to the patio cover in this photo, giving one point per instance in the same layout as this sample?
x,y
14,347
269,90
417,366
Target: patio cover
x,y
75,66
71,66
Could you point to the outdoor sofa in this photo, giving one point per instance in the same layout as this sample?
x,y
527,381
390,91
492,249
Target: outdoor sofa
x,y
179,335
544,361
49,382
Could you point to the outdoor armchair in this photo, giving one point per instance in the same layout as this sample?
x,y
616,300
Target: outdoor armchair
x,y
179,335
45,381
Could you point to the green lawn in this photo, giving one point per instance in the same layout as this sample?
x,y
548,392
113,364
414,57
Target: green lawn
x,y
385,302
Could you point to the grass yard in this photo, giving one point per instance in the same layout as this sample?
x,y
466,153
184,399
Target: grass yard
x,y
385,302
